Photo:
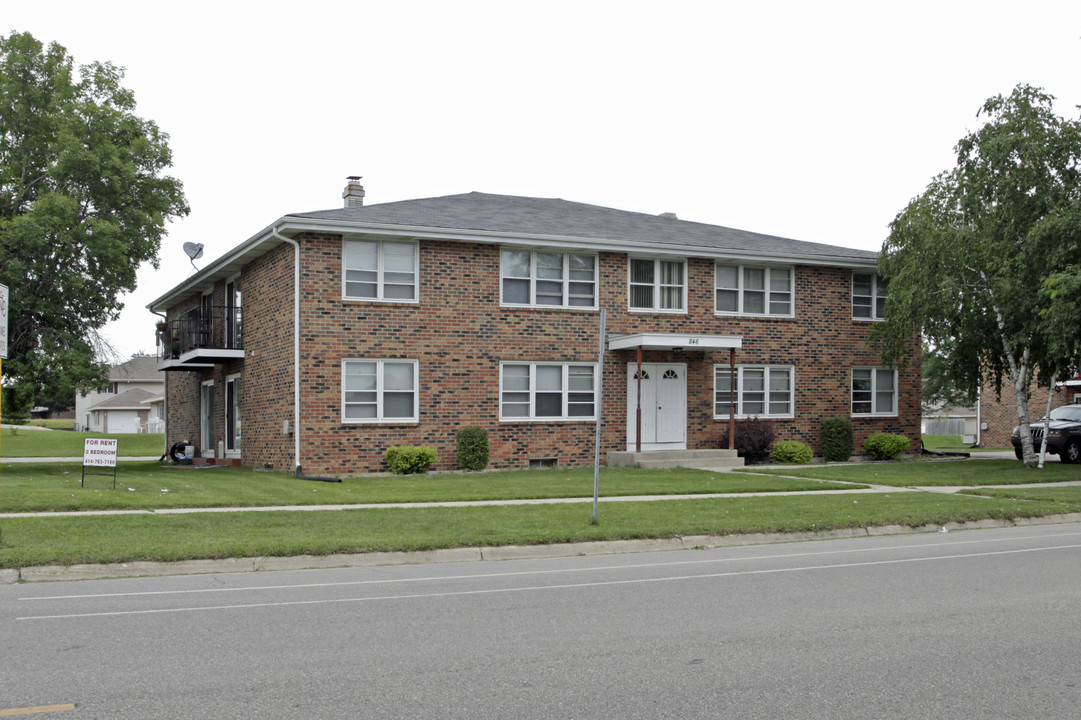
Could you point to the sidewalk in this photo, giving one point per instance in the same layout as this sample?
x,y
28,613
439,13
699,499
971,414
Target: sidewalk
x,y
14,460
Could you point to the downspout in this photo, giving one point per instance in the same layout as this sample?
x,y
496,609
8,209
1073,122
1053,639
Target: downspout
x,y
296,359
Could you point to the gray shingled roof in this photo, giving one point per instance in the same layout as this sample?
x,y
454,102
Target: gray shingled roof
x,y
130,400
141,367
554,217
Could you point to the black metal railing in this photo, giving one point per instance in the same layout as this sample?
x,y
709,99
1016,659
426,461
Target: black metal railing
x,y
202,327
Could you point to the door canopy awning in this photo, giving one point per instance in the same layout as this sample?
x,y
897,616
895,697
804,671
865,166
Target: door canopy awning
x,y
667,341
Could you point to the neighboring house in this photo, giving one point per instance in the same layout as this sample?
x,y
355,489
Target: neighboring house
x,y
999,411
398,324
123,405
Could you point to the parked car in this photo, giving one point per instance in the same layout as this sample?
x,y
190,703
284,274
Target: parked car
x,y
1063,437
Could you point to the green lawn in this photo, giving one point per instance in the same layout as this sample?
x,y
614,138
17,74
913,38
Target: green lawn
x,y
1068,494
27,541
97,539
149,484
918,473
952,443
23,442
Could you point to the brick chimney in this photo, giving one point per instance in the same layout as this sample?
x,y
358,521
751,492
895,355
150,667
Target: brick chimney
x,y
354,192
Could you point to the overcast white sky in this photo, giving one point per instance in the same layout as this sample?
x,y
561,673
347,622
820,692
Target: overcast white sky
x,y
811,120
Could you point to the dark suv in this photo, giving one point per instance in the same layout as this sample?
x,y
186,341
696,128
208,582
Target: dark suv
x,y
1064,437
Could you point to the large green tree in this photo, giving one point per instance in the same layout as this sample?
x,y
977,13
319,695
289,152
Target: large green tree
x,y
83,202
966,259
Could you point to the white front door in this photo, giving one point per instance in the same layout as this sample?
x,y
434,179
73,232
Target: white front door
x,y
664,406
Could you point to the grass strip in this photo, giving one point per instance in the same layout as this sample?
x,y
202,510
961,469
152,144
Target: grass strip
x,y
19,442
932,473
150,485
108,539
1067,494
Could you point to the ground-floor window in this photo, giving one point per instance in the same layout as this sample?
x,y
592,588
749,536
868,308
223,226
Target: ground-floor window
x,y
874,391
547,391
761,390
379,391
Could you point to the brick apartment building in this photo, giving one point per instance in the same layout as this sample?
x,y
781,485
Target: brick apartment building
x,y
400,323
999,411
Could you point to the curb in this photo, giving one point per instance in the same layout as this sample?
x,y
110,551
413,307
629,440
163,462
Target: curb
x,y
112,571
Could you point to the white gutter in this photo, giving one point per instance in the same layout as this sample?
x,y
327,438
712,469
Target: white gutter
x,y
296,343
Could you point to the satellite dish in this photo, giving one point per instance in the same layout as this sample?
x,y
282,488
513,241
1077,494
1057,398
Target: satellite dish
x,y
194,251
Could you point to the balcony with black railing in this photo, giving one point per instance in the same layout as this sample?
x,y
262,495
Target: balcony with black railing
x,y
202,337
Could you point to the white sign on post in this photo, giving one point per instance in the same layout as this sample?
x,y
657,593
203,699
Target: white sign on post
x,y
99,452
3,322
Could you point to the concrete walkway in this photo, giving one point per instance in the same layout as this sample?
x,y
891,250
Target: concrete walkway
x,y
20,460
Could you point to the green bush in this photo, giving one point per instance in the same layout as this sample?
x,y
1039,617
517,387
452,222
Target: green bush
x,y
410,459
792,452
885,446
473,450
836,439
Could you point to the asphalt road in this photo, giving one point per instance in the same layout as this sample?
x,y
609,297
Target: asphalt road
x,y
973,624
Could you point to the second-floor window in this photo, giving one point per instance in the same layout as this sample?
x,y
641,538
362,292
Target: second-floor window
x,y
658,285
379,270
749,290
548,279
868,297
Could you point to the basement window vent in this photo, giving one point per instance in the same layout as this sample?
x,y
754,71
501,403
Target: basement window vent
x,y
541,463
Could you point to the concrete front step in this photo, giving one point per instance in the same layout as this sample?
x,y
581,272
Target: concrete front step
x,y
660,459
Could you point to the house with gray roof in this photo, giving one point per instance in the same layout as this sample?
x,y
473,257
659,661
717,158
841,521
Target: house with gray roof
x,y
369,326
131,402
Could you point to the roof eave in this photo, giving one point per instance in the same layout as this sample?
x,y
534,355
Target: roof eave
x,y
290,225
355,229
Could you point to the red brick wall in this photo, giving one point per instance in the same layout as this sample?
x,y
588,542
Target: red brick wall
x,y
460,338
999,413
459,334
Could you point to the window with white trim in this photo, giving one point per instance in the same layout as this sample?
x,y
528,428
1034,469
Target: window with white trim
x,y
379,391
547,391
751,290
548,279
868,297
761,390
659,285
874,391
379,270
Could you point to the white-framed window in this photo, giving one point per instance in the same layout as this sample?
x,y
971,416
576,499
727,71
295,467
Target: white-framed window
x,y
761,390
753,290
543,278
547,391
379,270
874,391
868,296
379,391
658,285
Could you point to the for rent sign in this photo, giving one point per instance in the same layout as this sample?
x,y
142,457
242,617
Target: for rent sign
x,y
99,452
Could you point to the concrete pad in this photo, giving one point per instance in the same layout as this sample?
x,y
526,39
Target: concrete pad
x,y
322,562
52,573
519,552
